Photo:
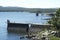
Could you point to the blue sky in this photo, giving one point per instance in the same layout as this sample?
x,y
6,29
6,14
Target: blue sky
x,y
31,3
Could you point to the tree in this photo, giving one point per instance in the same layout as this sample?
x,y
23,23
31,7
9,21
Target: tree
x,y
55,20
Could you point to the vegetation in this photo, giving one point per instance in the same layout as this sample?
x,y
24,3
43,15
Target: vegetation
x,y
54,38
21,9
55,20
55,23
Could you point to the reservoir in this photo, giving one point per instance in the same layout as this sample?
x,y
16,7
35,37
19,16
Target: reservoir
x,y
18,17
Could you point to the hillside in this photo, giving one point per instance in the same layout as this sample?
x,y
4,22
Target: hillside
x,y
21,9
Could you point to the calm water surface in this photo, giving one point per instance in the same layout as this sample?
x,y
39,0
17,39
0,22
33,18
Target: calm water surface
x,y
22,17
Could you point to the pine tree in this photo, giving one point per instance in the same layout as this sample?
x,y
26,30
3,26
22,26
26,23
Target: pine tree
x,y
55,20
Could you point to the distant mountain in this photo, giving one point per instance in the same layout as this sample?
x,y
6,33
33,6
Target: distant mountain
x,y
21,9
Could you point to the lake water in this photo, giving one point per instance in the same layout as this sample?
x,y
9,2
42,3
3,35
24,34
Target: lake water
x,y
19,17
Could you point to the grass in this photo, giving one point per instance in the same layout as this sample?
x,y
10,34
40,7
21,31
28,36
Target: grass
x,y
53,37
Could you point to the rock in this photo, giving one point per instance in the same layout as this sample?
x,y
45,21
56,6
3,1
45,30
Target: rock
x,y
21,37
35,38
53,32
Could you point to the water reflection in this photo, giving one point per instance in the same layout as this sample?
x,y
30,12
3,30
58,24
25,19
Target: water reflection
x,y
10,35
20,32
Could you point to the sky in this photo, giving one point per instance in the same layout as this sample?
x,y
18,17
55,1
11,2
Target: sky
x,y
31,3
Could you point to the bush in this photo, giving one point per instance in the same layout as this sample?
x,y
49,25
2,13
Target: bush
x,y
54,38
